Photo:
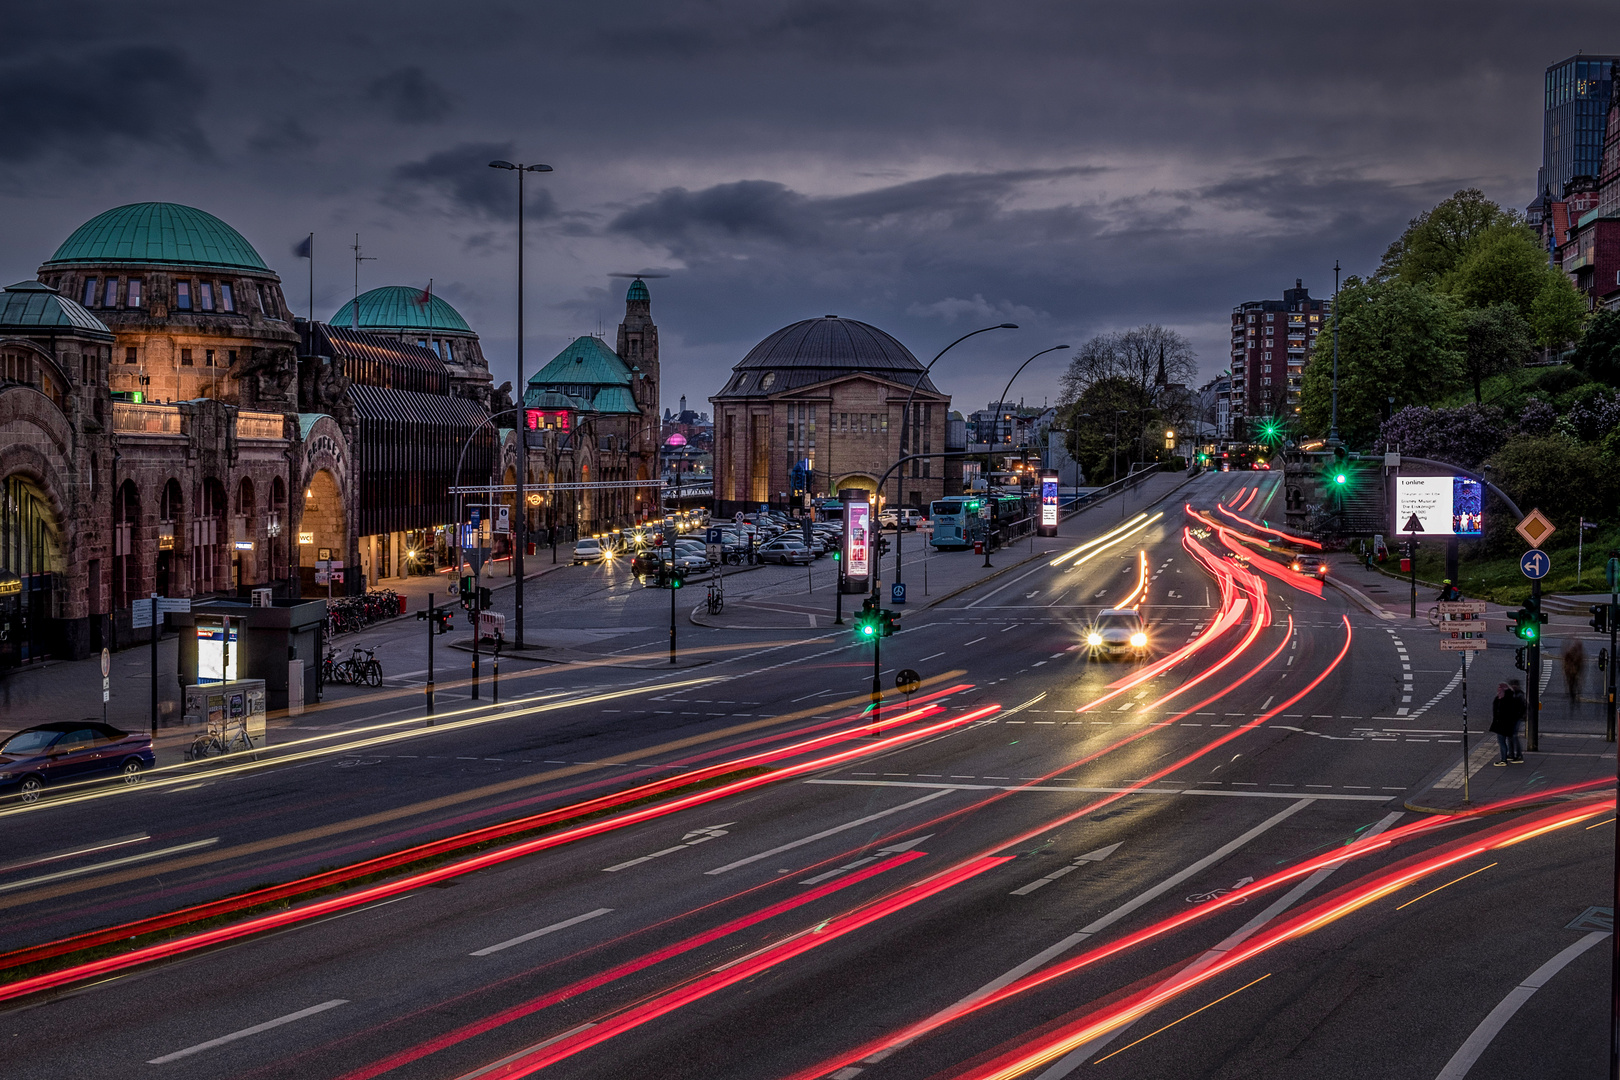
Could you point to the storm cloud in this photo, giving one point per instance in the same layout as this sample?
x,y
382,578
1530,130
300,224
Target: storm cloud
x,y
1075,168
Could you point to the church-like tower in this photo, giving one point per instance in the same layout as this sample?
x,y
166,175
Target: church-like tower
x,y
638,348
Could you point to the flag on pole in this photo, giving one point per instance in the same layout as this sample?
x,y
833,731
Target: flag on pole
x,y
305,248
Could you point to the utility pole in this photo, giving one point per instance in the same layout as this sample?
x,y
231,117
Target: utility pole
x,y
1532,663
1333,428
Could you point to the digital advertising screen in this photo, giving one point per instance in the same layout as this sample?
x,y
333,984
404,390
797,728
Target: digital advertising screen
x,y
1443,505
858,540
1049,501
211,666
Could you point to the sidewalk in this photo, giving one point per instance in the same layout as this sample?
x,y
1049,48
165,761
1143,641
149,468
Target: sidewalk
x,y
1561,762
931,577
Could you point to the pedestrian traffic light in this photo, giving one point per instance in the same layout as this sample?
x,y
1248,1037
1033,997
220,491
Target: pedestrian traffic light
x,y
484,598
675,581
1340,471
446,619
466,588
1526,624
882,545
1270,431
867,619
1518,659
1600,618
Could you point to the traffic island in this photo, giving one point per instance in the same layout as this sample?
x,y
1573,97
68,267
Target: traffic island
x,y
1549,774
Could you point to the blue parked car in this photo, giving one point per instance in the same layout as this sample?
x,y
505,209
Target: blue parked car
x,y
69,751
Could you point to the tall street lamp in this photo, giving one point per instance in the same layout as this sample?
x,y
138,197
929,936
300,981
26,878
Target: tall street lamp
x,y
1333,428
521,538
998,403
905,428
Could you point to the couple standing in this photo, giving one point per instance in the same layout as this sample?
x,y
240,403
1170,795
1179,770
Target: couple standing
x,y
1507,711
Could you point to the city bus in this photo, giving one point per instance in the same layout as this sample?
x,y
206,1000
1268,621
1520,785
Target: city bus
x,y
962,520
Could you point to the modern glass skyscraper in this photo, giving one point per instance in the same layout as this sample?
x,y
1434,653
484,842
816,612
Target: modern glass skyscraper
x,y
1575,104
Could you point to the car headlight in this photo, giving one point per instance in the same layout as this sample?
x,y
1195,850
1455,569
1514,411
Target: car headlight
x,y
1094,638
1294,567
1139,640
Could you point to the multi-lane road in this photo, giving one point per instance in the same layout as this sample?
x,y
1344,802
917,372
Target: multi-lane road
x,y
1040,865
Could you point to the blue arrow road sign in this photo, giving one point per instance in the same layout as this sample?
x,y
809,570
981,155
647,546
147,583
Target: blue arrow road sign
x,y
1535,564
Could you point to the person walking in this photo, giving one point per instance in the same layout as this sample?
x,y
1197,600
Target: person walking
x,y
1574,660
1507,709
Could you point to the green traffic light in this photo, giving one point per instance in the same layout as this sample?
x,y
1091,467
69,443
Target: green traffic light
x,y
868,629
1340,478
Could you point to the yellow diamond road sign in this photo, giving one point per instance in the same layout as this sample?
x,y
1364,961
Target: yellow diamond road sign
x,y
1535,528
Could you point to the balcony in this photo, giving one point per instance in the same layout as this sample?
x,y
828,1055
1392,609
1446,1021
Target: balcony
x,y
132,419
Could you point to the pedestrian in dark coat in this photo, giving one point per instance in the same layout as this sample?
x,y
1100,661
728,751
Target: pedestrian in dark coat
x,y
1507,709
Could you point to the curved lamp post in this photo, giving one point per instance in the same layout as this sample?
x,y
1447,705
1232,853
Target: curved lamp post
x,y
521,538
1000,401
906,426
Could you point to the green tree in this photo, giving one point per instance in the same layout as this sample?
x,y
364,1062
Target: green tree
x,y
1501,265
1598,354
1437,240
1105,410
1558,312
1495,339
1395,340
1561,477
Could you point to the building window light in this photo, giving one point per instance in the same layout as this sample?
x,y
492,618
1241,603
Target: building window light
x,y
134,297
206,294
227,298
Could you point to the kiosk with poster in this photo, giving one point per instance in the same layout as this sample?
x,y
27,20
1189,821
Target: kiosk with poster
x,y
225,706
857,554
1049,505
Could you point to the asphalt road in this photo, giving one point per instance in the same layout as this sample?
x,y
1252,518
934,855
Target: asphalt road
x,y
801,927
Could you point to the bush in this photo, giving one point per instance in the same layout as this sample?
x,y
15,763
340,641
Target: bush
x,y
1551,382
1564,479
1464,437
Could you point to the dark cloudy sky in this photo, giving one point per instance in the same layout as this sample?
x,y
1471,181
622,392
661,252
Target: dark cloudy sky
x,y
925,166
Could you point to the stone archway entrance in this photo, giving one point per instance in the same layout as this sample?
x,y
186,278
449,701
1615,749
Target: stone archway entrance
x,y
30,571
323,533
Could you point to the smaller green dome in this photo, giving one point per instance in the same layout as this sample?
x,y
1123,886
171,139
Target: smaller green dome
x,y
400,307
32,307
147,233
638,291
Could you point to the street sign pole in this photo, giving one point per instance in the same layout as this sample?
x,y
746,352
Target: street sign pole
x,y
152,604
1464,658
433,629
1614,959
1532,663
1413,527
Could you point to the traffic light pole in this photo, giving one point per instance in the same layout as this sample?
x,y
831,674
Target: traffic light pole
x,y
478,609
1614,950
877,684
1532,662
433,631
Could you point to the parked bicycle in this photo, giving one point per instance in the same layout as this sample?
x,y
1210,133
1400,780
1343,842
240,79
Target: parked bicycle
x,y
215,741
347,614
361,668
717,598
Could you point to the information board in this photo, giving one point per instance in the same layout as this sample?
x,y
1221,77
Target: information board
x,y
1049,501
1443,505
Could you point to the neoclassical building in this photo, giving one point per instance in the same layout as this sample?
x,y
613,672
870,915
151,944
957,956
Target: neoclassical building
x,y
167,427
819,406
416,317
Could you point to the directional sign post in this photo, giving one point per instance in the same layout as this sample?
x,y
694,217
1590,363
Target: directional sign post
x,y
1535,564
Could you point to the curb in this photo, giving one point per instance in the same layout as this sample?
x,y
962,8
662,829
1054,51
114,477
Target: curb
x,y
1549,801
1362,599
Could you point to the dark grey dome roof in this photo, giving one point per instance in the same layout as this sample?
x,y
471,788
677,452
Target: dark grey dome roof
x,y
818,349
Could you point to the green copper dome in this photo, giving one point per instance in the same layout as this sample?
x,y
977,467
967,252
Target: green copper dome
x,y
146,233
400,307
638,291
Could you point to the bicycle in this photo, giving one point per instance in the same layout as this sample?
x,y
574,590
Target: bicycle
x,y
717,599
364,669
214,741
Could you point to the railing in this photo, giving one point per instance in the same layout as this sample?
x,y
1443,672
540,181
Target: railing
x,y
257,425
130,419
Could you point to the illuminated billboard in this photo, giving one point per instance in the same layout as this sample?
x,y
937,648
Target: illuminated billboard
x,y
858,539
1049,501
1443,505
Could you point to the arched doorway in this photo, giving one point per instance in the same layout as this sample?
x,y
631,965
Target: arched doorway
x,y
244,560
30,566
170,506
126,559
856,480
323,534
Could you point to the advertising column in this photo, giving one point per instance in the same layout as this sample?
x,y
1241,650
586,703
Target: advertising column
x,y
1049,505
857,553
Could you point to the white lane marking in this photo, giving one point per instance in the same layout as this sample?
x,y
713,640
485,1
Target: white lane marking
x,y
134,838
892,849
1077,1057
543,931
1009,585
836,829
145,856
1053,951
245,1032
691,839
1091,856
1475,1045
975,641
1330,797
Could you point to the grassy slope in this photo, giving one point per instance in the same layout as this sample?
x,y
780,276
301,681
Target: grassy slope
x,y
1500,578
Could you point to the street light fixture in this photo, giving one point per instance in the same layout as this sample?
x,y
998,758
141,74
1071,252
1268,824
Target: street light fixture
x,y
905,428
999,402
520,534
